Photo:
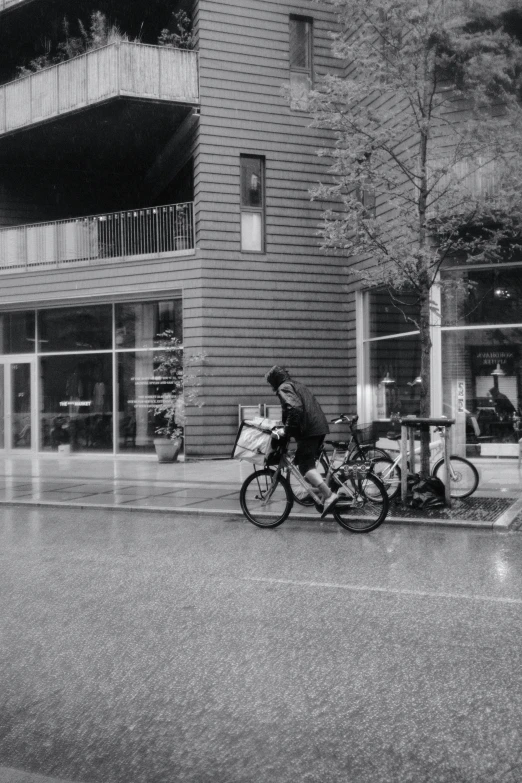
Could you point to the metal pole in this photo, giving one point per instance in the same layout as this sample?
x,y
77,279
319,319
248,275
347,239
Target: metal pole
x,y
412,448
447,444
404,462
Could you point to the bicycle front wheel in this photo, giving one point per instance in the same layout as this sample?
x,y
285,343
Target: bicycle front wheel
x,y
363,503
264,504
464,477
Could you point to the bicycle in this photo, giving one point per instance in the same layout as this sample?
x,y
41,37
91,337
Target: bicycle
x,y
464,477
267,499
351,450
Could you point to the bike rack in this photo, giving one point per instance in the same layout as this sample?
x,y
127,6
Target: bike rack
x,y
408,427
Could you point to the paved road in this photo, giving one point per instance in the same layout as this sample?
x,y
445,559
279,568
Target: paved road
x,y
144,649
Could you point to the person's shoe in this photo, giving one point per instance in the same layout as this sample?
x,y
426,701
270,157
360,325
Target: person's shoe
x,y
329,503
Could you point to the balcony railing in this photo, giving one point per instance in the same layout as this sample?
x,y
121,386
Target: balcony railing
x,y
119,69
93,239
8,3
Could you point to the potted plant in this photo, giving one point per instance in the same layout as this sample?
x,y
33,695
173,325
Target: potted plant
x,y
174,386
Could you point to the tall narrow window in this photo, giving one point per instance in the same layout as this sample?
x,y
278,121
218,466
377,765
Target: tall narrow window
x,y
252,203
301,75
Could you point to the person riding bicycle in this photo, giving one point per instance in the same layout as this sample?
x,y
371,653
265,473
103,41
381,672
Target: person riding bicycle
x,y
304,420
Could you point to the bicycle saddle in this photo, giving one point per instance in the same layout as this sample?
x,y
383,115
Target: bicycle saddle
x,y
393,435
337,444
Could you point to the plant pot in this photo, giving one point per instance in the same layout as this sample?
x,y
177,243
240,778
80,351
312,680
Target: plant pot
x,y
167,449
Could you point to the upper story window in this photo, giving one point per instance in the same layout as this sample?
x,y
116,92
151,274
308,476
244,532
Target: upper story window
x,y
252,203
301,61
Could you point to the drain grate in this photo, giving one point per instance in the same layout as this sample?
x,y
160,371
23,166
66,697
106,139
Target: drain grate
x,y
472,509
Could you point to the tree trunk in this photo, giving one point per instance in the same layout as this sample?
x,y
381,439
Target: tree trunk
x,y
425,388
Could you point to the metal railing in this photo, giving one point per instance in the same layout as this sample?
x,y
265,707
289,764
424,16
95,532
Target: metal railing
x,y
118,69
135,232
8,3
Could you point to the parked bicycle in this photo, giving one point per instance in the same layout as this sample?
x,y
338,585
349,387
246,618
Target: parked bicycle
x,y
267,498
463,475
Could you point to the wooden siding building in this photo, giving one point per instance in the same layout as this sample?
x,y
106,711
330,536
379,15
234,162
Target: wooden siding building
x,y
151,182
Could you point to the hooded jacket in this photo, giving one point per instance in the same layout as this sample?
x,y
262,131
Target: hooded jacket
x,y
302,417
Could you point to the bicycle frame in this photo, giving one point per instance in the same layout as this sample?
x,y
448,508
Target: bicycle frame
x,y
332,473
436,446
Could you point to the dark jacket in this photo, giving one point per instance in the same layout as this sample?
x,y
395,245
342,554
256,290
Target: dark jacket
x,y
302,417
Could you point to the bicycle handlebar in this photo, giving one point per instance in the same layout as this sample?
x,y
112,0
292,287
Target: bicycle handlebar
x,y
344,419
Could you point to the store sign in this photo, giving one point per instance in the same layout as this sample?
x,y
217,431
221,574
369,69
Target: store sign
x,y
149,399
485,358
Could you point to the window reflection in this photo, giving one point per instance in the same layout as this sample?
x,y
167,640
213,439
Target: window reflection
x,y
75,328
481,387
482,297
17,332
394,369
139,389
387,316
138,324
76,394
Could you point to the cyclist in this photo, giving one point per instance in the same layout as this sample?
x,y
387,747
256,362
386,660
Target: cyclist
x,y
304,420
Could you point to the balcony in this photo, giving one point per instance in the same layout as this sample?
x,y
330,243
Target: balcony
x,y
4,4
121,69
117,236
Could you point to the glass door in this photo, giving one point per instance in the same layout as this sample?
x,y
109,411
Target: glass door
x,y
17,404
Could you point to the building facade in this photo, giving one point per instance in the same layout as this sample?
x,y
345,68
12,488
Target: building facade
x,y
146,188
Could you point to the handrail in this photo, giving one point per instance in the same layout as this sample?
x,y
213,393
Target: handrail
x,y
92,239
123,68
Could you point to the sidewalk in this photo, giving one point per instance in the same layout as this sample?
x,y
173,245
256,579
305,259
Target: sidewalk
x,y
212,486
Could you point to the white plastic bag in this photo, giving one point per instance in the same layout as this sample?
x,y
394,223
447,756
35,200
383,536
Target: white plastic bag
x,y
253,442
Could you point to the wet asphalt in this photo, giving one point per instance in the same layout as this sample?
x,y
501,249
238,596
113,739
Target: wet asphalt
x,y
137,648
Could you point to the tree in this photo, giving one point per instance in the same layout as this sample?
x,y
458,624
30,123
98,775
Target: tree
x,y
181,36
428,104
178,382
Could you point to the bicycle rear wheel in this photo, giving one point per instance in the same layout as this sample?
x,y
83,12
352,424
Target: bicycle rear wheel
x,y
463,474
363,503
373,452
262,506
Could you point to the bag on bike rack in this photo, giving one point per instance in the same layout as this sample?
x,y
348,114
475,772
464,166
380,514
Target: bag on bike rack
x,y
428,493
253,442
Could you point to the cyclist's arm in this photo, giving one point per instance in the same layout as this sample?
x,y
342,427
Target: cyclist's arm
x,y
292,408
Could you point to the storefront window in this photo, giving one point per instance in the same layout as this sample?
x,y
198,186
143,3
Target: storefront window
x,y
393,379
481,388
138,324
491,296
389,314
76,401
68,392
75,329
17,332
139,389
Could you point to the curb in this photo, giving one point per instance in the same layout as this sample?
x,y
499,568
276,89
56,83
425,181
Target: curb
x,y
500,524
506,519
11,775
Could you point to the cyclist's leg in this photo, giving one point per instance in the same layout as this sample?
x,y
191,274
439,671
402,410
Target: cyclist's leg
x,y
306,456
299,491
